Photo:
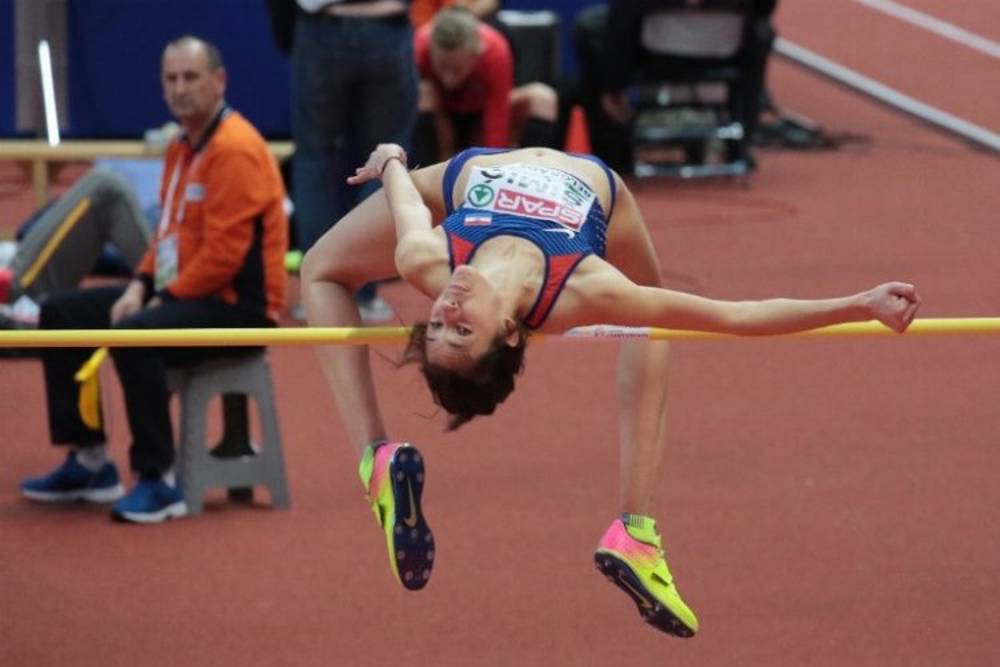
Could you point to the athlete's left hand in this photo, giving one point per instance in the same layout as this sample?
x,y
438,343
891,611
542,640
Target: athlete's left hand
x,y
894,305
377,161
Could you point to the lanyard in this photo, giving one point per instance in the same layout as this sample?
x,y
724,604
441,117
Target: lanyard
x,y
168,201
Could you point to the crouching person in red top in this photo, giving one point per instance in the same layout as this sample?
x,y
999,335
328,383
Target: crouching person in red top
x,y
216,260
467,93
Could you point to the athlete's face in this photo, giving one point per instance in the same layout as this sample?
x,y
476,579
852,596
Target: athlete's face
x,y
464,321
191,88
453,67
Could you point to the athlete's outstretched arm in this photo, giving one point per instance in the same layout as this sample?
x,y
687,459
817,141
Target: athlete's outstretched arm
x,y
618,301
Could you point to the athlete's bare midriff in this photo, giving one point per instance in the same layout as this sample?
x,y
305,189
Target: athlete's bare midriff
x,y
585,170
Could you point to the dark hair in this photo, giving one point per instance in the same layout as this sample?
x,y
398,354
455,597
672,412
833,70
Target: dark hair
x,y
477,391
214,57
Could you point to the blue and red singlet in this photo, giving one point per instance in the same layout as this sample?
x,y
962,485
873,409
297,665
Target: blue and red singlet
x,y
553,209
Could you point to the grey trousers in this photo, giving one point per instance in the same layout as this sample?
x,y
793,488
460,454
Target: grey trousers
x,y
64,244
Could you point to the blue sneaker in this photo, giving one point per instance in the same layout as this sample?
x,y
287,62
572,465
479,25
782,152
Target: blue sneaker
x,y
73,481
151,501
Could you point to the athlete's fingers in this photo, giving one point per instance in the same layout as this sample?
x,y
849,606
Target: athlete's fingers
x,y
906,291
911,312
361,175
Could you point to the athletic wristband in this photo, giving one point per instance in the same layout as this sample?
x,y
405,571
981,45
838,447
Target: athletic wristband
x,y
402,161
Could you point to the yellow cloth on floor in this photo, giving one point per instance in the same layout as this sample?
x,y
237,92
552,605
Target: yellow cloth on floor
x,y
90,389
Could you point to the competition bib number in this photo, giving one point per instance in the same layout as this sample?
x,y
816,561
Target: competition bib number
x,y
531,191
166,261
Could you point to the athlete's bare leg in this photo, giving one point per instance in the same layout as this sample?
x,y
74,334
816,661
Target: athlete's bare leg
x,y
359,248
642,393
630,552
642,367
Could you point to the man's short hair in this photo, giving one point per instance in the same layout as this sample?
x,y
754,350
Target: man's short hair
x,y
211,50
455,28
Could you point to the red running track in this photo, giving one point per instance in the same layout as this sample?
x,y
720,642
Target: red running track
x,y
823,502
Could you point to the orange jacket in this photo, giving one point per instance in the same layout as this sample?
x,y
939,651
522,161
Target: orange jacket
x,y
227,212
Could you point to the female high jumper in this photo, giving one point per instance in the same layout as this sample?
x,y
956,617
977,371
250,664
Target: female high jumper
x,y
506,242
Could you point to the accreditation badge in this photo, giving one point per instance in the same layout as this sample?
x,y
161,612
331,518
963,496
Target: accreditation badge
x,y
166,261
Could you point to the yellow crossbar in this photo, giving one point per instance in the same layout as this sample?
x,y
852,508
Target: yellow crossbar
x,y
388,335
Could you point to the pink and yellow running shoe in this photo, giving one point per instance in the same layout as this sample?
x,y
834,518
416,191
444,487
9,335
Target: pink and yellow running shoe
x,y
393,477
631,557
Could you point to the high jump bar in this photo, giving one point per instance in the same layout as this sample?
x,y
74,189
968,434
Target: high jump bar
x,y
392,335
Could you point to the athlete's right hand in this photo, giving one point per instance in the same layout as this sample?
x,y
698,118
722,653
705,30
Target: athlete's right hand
x,y
377,161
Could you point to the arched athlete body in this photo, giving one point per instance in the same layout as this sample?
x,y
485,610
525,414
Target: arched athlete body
x,y
505,242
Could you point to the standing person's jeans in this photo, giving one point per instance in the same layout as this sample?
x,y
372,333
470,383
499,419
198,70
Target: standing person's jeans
x,y
609,139
354,85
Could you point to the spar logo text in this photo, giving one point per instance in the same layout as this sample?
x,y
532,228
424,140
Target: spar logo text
x,y
519,203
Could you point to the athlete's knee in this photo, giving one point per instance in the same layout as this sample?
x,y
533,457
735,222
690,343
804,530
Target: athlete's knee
x,y
321,266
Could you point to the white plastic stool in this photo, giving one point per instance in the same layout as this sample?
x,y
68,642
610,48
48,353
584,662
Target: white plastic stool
x,y
198,469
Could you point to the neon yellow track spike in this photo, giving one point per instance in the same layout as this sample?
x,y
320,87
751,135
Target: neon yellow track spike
x,y
393,476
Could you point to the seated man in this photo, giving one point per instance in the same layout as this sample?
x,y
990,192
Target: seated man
x,y
467,93
216,260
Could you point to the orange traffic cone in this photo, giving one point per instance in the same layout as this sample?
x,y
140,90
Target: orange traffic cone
x,y
577,134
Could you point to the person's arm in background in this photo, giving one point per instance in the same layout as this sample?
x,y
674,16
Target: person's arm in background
x,y
433,136
496,68
140,289
145,270
621,56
